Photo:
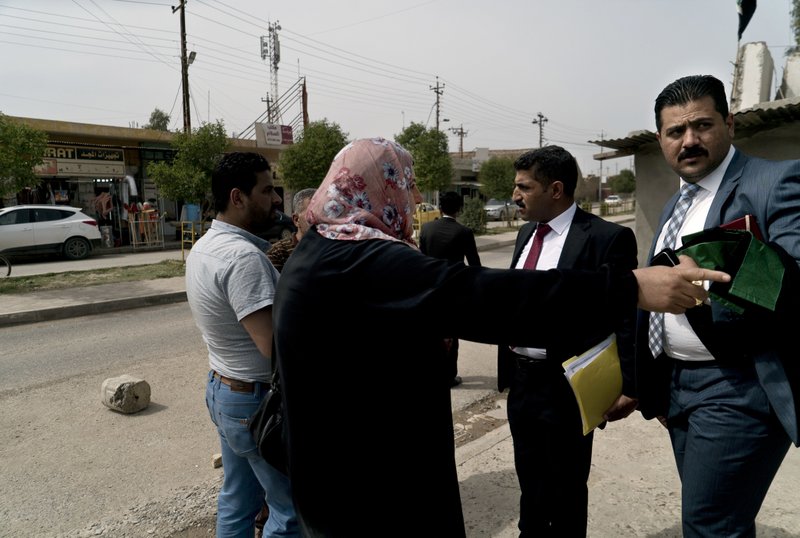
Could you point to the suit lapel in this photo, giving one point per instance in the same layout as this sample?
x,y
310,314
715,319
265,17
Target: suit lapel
x,y
575,242
726,189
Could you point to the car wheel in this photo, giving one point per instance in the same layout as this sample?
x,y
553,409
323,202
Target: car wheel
x,y
286,233
76,248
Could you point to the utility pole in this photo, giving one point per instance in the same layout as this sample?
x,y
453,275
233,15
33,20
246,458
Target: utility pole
x,y
600,179
460,133
187,120
271,48
438,90
268,100
540,120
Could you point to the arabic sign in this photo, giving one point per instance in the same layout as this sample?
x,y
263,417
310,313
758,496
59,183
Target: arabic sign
x,y
81,161
272,134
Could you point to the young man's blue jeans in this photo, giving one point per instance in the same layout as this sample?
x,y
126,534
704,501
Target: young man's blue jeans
x,y
246,475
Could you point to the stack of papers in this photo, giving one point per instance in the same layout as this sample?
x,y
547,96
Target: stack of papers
x,y
596,379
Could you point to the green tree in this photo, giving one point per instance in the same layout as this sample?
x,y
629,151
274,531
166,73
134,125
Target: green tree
x,y
497,178
21,148
304,164
473,216
188,177
624,182
159,120
432,164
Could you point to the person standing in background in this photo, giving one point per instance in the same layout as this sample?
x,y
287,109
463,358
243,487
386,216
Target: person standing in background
x,y
447,239
281,250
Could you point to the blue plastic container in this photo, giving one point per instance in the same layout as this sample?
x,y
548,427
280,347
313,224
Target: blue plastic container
x,y
192,212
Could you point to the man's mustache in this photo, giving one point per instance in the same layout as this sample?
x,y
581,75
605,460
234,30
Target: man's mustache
x,y
695,151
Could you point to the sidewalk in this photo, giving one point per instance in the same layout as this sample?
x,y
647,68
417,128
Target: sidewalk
x,y
18,308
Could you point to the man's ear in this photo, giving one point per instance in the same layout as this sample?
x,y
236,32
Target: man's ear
x,y
558,189
236,198
729,123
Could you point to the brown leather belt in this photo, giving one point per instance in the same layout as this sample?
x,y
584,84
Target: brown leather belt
x,y
235,384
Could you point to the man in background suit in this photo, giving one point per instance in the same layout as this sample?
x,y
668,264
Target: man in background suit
x,y
717,379
551,454
447,239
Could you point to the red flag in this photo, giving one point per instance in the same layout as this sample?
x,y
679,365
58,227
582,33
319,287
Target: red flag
x,y
746,9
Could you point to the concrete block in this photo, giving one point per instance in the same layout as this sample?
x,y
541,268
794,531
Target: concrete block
x,y
126,394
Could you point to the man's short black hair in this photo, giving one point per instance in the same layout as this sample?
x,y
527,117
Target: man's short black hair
x,y
549,164
692,88
450,203
235,170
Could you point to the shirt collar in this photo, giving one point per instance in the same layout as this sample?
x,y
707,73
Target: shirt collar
x,y
713,180
561,223
220,226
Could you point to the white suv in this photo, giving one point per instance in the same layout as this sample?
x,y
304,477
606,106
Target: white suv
x,y
32,229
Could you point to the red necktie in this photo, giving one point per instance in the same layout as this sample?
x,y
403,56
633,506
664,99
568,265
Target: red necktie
x,y
536,249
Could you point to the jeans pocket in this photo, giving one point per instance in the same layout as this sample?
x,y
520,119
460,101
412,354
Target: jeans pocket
x,y
237,433
210,402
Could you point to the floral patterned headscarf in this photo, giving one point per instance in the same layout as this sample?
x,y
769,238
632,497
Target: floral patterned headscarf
x,y
369,193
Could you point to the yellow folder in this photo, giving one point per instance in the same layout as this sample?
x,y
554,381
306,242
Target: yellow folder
x,y
596,379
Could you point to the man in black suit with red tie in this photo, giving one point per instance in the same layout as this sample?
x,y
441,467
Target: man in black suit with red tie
x,y
447,239
551,455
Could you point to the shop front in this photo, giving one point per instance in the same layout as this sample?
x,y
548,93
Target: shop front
x,y
100,181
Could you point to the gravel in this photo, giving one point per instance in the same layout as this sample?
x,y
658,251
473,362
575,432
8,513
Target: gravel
x,y
189,513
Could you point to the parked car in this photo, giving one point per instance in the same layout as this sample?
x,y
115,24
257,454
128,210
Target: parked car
x,y
613,199
425,213
281,228
501,209
48,229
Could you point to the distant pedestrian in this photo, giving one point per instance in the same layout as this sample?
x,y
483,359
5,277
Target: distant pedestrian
x,y
281,250
230,286
447,239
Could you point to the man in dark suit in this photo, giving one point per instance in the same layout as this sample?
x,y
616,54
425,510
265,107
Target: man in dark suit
x,y
551,454
447,239
721,382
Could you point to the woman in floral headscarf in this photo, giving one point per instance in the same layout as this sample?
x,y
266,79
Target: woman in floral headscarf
x,y
359,319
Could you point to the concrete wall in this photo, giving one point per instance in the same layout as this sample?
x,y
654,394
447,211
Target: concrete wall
x,y
754,83
790,87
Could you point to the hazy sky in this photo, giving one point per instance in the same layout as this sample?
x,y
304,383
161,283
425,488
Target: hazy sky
x,y
590,67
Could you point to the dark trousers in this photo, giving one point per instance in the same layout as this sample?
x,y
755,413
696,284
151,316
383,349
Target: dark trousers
x,y
551,455
728,445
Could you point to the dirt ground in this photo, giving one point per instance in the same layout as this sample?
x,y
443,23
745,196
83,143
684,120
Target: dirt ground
x,y
71,468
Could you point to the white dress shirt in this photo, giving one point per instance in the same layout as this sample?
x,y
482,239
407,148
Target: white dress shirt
x,y
680,340
552,245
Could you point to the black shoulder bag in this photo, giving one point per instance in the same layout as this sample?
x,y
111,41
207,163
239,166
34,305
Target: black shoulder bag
x,y
266,426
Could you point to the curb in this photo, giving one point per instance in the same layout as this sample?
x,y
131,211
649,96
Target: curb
x,y
100,307
496,244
